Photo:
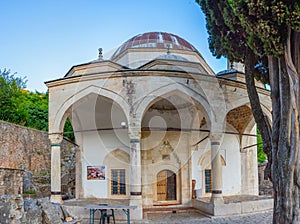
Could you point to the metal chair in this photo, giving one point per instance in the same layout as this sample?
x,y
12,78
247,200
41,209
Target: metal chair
x,y
105,215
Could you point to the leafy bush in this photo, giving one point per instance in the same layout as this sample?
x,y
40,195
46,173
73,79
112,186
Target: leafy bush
x,y
30,192
261,156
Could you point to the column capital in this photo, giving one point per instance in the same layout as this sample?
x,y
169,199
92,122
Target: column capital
x,y
216,138
55,139
134,133
134,128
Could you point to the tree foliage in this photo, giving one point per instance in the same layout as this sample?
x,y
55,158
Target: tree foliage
x,y
36,107
23,107
267,23
10,97
261,156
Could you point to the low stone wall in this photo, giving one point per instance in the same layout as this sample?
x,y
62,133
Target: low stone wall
x,y
238,207
11,181
265,185
14,209
30,150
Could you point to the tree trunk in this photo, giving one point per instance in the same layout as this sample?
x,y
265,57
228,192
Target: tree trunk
x,y
259,117
284,76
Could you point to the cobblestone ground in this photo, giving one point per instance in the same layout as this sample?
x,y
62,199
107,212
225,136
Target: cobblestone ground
x,y
257,218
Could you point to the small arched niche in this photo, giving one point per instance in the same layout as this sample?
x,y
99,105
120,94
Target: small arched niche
x,y
118,167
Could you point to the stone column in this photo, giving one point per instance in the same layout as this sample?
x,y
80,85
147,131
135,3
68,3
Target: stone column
x,y
216,165
135,172
55,140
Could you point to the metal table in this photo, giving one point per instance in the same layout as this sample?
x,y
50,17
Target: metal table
x,y
124,208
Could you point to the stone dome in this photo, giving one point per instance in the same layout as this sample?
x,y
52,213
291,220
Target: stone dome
x,y
155,40
172,57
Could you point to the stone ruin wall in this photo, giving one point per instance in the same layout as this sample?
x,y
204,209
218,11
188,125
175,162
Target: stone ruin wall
x,y
29,150
11,181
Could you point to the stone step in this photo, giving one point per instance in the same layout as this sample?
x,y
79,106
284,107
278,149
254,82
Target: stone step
x,y
150,213
172,209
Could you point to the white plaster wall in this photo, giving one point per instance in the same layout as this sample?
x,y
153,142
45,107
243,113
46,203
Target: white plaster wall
x,y
231,173
96,146
230,151
249,165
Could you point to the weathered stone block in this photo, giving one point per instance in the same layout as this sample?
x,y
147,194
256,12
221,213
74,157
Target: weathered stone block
x,y
11,209
33,211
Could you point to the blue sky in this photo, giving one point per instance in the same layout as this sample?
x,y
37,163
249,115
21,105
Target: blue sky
x,y
43,39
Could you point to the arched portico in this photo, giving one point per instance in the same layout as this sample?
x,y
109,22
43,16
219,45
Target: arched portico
x,y
168,125
91,114
241,118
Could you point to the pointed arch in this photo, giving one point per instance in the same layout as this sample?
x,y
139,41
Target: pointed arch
x,y
117,156
175,89
79,97
205,160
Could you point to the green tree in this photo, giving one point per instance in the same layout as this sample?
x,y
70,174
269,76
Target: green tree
x,y
227,38
68,130
271,29
23,107
10,92
261,156
36,107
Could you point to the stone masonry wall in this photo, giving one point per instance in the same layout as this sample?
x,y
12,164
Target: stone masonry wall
x,y
11,181
30,150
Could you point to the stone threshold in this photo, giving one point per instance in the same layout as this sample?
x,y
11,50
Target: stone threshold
x,y
235,205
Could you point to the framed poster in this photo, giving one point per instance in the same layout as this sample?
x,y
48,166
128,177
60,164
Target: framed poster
x,y
96,172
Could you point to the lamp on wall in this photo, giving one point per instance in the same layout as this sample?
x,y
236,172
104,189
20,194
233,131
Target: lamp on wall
x,y
123,124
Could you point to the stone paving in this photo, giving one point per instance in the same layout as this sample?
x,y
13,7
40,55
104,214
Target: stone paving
x,y
187,217
259,218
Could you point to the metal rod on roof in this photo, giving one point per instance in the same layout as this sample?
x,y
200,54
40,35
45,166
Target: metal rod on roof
x,y
197,143
249,146
158,129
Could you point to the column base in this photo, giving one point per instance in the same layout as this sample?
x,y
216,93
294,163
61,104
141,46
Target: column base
x,y
217,199
136,214
56,198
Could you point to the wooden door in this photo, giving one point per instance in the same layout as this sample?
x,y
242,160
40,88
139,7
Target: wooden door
x,y
162,185
166,186
171,186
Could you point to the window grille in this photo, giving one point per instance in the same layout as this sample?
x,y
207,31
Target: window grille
x,y
118,180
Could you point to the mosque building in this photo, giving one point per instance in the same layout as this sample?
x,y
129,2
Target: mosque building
x,y
156,126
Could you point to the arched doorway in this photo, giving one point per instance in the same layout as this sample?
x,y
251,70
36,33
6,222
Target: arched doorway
x,y
166,185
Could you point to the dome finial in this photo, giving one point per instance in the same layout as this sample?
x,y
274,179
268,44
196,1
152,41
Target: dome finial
x,y
100,56
168,49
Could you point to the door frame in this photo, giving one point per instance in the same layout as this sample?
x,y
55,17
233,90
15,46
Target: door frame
x,y
178,189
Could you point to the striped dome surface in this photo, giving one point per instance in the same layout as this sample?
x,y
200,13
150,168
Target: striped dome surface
x,y
155,40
